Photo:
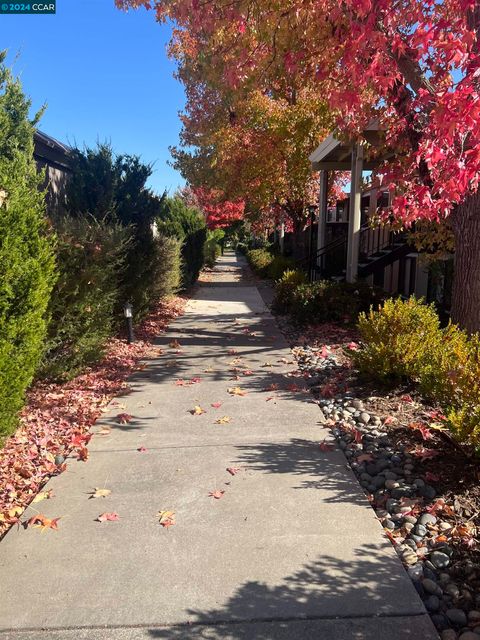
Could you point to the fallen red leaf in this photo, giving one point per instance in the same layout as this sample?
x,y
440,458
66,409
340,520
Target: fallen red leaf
x,y
142,449
112,516
216,405
233,470
217,494
124,418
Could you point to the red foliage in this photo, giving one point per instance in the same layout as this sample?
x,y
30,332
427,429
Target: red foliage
x,y
219,213
56,420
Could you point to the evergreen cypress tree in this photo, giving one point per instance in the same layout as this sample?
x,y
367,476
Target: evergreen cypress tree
x,y
27,263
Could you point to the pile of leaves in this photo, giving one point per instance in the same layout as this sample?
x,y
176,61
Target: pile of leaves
x,y
57,418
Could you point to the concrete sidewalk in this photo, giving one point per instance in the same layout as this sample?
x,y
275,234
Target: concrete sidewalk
x,y
291,551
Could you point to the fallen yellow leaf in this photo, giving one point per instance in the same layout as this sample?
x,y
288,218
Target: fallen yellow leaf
x,y
236,391
100,493
223,420
197,410
166,518
43,495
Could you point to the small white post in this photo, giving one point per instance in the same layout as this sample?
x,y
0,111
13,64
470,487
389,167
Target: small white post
x,y
281,239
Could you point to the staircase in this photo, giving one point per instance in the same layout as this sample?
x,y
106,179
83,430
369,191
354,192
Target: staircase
x,y
379,248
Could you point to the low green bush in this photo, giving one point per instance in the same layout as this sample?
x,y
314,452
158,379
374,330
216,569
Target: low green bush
x,y
403,341
260,260
285,287
397,340
91,258
329,301
278,266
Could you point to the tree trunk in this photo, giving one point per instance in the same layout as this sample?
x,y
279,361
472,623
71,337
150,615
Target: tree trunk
x,y
466,283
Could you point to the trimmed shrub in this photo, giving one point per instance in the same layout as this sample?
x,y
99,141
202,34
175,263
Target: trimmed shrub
x,y
278,266
260,260
27,264
285,287
212,248
91,258
187,224
398,338
327,301
153,270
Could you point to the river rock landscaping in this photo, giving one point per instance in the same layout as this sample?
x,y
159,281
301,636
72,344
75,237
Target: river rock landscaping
x,y
422,485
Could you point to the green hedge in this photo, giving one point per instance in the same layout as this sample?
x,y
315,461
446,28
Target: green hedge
x,y
91,259
27,266
153,270
187,224
212,248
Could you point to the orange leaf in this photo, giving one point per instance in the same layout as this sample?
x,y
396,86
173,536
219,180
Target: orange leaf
x,y
390,536
42,522
174,344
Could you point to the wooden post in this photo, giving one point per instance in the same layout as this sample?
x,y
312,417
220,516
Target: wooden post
x,y
322,215
354,222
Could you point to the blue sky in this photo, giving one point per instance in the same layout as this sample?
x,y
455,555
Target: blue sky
x,y
104,74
